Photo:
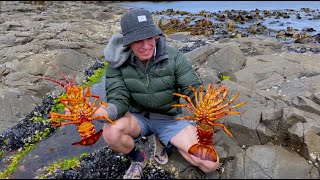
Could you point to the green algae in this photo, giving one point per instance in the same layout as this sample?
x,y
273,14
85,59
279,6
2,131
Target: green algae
x,y
58,106
37,118
224,77
15,161
64,165
98,74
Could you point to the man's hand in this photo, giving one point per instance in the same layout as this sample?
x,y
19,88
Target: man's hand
x,y
67,111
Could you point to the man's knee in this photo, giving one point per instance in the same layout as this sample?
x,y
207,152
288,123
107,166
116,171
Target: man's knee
x,y
124,126
111,133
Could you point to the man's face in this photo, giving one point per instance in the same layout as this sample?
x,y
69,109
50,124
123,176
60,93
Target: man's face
x,y
144,49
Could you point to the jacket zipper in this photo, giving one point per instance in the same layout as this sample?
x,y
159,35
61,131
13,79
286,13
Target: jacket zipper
x,y
147,73
147,80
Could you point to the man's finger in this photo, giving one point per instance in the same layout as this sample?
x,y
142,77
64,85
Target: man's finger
x,y
67,111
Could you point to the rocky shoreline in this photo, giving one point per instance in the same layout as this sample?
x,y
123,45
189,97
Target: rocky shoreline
x,y
279,126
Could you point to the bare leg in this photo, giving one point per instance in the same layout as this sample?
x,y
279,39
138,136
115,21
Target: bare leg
x,y
120,136
184,140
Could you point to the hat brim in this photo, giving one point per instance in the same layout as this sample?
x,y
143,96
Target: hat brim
x,y
140,34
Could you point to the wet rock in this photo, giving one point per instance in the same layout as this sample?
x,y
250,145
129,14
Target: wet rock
x,y
17,136
317,37
106,164
90,71
303,49
196,44
308,29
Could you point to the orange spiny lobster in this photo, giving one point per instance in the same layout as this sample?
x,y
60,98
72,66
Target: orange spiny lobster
x,y
81,111
208,109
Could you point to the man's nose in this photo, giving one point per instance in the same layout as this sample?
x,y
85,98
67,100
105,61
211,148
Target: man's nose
x,y
144,44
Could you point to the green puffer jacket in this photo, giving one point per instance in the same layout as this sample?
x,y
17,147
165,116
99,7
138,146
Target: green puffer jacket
x,y
130,85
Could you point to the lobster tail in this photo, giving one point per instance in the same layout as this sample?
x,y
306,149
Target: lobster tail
x,y
89,140
203,152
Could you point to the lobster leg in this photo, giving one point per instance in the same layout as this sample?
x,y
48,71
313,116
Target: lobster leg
x,y
101,103
195,95
66,104
224,128
102,117
187,98
93,104
184,105
186,117
64,123
54,117
62,116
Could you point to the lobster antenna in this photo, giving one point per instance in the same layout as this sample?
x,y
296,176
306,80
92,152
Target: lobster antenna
x,y
74,77
53,80
55,69
63,84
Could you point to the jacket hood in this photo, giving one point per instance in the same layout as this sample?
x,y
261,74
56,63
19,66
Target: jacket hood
x,y
161,52
114,53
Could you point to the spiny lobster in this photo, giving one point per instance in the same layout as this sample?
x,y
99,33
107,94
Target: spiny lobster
x,y
208,109
81,111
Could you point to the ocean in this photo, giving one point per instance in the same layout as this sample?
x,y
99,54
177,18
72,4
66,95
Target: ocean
x,y
308,20
215,6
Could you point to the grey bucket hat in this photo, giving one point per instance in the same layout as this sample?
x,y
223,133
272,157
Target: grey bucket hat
x,y
137,24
